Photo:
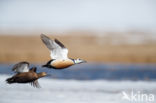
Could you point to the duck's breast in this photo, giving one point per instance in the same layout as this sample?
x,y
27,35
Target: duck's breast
x,y
60,64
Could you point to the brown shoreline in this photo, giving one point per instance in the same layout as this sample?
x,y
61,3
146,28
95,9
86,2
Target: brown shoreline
x,y
88,47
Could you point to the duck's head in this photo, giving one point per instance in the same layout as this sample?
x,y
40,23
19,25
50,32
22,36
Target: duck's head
x,y
42,74
78,61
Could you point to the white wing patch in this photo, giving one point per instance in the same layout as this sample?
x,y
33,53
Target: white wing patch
x,y
59,54
57,49
21,67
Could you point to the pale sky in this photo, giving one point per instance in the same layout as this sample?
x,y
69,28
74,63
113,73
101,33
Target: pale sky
x,y
77,14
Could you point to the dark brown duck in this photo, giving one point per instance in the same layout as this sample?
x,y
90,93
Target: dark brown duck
x,y
25,75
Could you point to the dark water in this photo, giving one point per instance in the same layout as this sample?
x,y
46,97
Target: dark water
x,y
94,71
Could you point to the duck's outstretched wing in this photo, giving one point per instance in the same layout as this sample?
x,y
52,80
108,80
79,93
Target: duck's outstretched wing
x,y
35,84
21,67
57,49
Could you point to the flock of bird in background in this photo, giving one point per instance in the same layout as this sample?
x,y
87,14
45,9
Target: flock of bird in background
x,y
59,60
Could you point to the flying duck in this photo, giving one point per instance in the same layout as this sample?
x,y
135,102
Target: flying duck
x,y
58,54
25,75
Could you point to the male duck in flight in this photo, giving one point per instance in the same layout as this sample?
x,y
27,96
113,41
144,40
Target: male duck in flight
x,y
59,54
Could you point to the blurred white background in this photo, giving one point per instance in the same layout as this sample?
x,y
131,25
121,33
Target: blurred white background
x,y
62,15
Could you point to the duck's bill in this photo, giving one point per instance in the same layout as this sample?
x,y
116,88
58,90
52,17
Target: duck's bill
x,y
84,61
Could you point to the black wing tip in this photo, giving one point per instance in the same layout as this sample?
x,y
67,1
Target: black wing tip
x,y
59,43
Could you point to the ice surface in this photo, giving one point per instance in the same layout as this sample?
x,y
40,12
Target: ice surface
x,y
72,91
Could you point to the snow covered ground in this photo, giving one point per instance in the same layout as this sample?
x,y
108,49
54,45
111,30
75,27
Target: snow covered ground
x,y
74,91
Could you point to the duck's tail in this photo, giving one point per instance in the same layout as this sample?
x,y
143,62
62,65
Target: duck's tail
x,y
10,80
45,65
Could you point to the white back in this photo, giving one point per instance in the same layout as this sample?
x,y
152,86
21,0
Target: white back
x,y
57,49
